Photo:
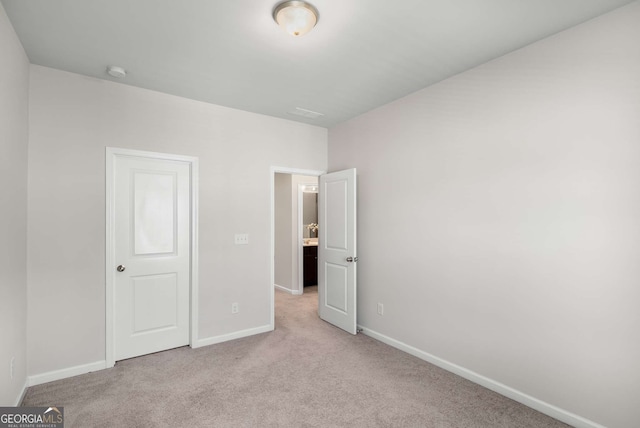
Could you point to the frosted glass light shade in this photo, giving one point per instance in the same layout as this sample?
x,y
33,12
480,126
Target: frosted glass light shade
x,y
296,17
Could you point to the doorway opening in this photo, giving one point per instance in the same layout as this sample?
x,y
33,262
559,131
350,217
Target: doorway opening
x,y
337,255
294,231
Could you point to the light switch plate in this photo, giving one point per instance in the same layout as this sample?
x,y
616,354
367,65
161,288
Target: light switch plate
x,y
242,239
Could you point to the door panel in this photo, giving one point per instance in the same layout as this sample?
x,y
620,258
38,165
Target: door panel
x,y
337,287
337,249
155,302
152,241
336,199
154,212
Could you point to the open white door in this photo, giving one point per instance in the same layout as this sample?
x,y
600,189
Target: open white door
x,y
337,254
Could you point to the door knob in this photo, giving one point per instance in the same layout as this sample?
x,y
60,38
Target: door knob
x,y
120,268
352,259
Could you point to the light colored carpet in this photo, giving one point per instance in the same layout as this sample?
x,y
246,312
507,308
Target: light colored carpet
x,y
306,373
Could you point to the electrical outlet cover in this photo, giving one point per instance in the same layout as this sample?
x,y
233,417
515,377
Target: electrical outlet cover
x,y
242,239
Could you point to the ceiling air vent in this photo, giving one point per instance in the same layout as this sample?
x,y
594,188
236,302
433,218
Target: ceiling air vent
x,y
305,113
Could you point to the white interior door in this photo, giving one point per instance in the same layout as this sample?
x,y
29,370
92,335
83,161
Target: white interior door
x,y
151,255
337,255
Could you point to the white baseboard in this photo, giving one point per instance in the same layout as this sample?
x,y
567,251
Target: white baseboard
x,y
22,394
231,336
500,388
65,373
101,365
288,290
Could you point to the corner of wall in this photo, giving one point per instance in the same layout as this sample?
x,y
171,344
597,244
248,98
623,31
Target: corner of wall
x,y
14,136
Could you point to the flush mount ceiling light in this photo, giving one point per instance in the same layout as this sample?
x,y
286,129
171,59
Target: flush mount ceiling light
x,y
296,17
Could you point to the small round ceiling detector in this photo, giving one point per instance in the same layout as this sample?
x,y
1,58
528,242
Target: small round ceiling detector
x,y
117,72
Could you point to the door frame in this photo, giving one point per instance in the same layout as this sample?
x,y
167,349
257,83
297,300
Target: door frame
x,y
272,239
110,155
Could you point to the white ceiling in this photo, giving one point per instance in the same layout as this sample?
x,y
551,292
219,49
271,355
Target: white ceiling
x,y
362,54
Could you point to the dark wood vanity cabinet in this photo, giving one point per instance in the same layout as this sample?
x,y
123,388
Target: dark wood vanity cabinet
x,y
310,265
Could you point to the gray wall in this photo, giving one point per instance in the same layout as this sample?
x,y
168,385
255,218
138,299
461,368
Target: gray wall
x,y
72,119
14,90
284,231
499,219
